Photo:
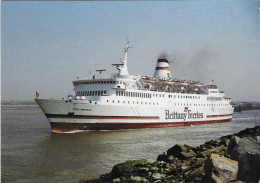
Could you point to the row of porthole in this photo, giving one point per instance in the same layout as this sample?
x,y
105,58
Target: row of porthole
x,y
187,97
133,102
179,104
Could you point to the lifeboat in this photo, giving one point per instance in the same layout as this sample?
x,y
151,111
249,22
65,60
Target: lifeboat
x,y
148,79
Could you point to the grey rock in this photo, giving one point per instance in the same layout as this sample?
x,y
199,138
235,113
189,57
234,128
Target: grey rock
x,y
154,169
136,178
128,167
117,180
158,176
221,169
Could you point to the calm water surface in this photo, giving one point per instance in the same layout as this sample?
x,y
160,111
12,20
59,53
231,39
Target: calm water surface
x,y
32,153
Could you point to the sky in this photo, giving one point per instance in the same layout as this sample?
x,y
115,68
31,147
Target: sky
x,y
47,45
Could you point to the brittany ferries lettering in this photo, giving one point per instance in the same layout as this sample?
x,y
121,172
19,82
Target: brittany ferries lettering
x,y
126,101
185,115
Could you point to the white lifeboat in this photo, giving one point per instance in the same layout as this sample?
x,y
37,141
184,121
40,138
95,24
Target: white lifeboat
x,y
148,79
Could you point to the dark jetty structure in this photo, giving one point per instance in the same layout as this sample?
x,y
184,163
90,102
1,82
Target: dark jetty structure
x,y
232,158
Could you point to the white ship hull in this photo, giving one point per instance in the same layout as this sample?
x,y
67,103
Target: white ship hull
x,y
81,115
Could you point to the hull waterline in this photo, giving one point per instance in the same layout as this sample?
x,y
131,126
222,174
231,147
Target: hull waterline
x,y
67,127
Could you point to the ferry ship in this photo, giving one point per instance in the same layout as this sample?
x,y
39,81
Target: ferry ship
x,y
127,101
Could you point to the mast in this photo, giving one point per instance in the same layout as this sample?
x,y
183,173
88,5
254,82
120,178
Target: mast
x,y
123,70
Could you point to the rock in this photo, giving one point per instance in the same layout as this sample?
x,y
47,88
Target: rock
x,y
128,167
162,157
217,150
116,180
171,159
221,169
184,167
136,179
249,167
197,174
181,152
143,169
157,181
232,144
176,149
158,176
247,152
258,139
154,169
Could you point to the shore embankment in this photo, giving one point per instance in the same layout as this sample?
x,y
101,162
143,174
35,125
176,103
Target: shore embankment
x,y
231,158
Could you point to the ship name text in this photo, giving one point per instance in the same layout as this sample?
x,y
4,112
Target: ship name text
x,y
184,115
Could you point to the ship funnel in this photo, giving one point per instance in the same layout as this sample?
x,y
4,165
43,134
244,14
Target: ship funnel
x,y
162,70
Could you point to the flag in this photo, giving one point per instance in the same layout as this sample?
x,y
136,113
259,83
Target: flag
x,y
211,81
37,95
186,109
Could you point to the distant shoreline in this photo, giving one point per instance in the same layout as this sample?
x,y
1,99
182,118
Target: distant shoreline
x,y
19,105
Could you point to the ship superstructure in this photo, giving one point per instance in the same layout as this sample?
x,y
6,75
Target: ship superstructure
x,y
127,101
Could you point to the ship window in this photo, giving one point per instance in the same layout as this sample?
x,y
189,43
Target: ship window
x,y
156,95
107,101
117,82
123,101
114,82
99,93
105,92
118,101
113,101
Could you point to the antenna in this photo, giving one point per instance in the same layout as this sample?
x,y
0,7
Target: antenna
x,y
101,70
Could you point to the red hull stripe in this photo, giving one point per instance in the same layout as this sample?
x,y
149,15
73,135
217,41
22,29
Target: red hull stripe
x,y
162,68
217,116
102,117
65,127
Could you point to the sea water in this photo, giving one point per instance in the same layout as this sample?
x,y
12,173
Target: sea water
x,y
31,152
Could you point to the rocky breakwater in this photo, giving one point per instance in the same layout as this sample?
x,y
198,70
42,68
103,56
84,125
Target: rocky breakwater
x,y
232,158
